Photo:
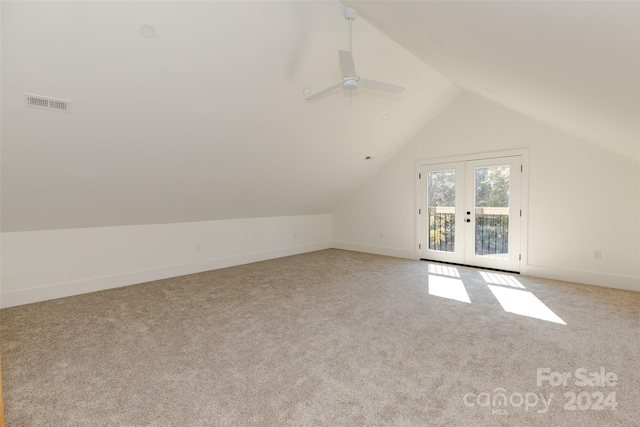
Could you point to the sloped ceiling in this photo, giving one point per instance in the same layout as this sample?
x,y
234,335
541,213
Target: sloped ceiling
x,y
206,121
574,65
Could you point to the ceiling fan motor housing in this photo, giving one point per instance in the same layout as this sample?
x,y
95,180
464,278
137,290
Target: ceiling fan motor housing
x,y
350,84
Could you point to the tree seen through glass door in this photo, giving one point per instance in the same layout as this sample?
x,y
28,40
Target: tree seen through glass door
x,y
441,196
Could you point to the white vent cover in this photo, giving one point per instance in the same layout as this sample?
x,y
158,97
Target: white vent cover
x,y
47,103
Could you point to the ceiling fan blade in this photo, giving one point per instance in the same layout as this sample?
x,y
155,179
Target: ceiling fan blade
x,y
386,87
348,66
322,92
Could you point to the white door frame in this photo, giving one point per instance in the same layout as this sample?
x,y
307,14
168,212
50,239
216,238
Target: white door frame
x,y
524,204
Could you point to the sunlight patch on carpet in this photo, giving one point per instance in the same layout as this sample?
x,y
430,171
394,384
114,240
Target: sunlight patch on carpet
x,y
446,287
524,303
501,279
443,270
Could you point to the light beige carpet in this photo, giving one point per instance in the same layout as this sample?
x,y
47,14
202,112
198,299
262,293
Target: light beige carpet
x,y
326,338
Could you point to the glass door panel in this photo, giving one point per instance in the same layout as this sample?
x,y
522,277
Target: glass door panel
x,y
441,212
493,213
441,208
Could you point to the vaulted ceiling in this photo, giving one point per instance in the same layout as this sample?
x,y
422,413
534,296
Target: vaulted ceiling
x,y
574,65
208,120
205,121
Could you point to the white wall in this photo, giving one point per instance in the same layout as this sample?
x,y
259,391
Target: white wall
x,y
581,197
41,265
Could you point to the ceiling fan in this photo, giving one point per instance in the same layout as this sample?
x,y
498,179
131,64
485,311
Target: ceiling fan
x,y
351,80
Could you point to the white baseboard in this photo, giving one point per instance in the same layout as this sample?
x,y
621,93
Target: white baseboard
x,y
378,250
627,283
61,290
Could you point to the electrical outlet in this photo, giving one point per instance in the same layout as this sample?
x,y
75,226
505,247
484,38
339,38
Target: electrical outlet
x,y
597,254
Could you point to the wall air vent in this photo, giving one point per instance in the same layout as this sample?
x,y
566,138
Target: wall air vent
x,y
47,103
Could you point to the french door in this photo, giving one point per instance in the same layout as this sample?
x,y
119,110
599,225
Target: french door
x,y
470,212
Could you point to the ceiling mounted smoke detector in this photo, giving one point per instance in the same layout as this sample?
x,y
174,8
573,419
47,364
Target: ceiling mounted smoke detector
x,y
148,31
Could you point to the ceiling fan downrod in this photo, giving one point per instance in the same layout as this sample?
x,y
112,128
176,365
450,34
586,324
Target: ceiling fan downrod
x,y
350,15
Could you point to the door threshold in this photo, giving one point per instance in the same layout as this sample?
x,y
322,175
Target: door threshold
x,y
472,266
